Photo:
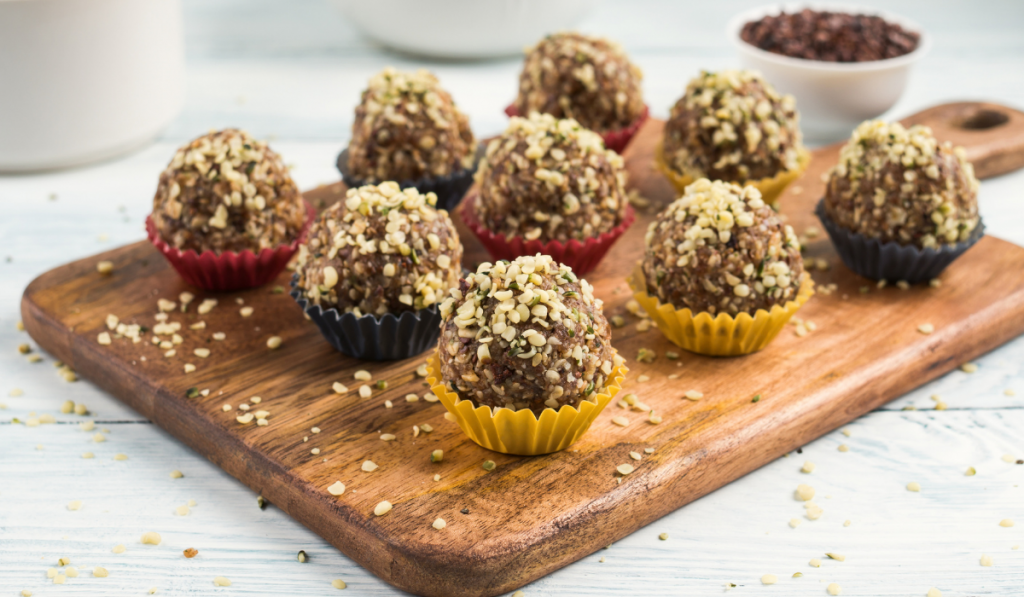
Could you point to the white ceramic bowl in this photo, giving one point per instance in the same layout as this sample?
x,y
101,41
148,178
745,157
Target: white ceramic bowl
x,y
86,80
832,98
463,28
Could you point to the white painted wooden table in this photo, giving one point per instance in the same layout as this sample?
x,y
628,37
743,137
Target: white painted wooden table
x,y
292,71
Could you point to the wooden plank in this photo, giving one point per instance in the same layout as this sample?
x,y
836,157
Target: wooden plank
x,y
530,516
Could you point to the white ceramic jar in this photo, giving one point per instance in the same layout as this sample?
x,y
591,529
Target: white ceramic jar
x,y
832,97
86,80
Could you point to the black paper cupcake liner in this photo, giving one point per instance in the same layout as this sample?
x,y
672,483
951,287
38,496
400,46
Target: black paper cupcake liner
x,y
449,189
371,338
892,261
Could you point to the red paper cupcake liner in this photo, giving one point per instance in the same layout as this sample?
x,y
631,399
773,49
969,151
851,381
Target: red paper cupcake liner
x,y
229,270
582,257
616,140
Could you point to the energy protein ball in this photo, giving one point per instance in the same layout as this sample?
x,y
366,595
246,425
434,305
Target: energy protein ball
x,y
226,191
550,179
525,334
732,126
589,79
720,249
901,185
407,128
381,250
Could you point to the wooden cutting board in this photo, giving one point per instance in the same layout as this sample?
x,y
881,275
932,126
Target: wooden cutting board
x,y
530,515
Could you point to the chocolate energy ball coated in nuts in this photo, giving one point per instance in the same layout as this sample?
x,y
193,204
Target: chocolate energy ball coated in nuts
x,y
407,128
732,126
525,334
381,250
830,36
720,249
589,79
550,179
226,191
899,184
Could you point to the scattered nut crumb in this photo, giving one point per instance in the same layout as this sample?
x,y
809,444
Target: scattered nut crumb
x,y
663,536
986,560
439,524
337,488
75,505
844,448
834,589
151,538
926,328
913,486
338,584
808,467
769,579
804,493
624,469
100,572
794,522
1006,522
273,342
220,581
382,508
105,267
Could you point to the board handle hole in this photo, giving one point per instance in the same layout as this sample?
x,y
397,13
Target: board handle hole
x,y
981,120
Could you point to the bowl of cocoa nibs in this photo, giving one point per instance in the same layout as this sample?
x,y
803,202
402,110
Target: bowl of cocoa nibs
x,y
843,64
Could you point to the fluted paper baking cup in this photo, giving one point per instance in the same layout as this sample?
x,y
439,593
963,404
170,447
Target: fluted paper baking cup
x,y
449,189
582,257
722,335
770,188
229,270
371,337
522,432
617,139
891,261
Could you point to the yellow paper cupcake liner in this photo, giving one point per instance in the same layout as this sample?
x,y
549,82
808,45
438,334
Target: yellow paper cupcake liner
x,y
522,432
770,188
724,335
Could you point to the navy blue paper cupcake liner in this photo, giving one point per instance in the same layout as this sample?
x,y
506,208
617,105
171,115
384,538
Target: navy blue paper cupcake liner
x,y
371,338
892,261
449,189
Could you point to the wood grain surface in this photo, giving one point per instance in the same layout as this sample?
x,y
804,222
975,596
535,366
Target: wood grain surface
x,y
529,516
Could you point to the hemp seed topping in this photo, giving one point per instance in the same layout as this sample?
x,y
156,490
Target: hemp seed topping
x,y
525,334
407,127
720,249
226,191
381,250
901,185
548,179
732,126
590,79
